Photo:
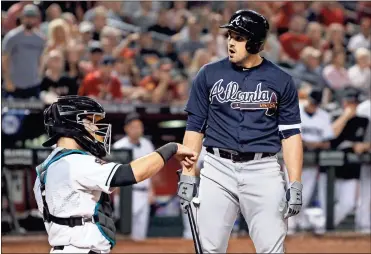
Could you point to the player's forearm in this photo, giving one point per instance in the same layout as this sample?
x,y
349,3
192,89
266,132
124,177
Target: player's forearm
x,y
144,167
293,156
192,140
147,166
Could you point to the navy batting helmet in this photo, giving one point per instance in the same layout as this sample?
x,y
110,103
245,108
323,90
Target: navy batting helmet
x,y
67,118
251,25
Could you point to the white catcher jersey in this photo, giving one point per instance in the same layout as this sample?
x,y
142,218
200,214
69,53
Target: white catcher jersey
x,y
315,128
73,187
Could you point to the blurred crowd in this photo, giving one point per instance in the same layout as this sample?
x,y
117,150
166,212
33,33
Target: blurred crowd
x,y
149,51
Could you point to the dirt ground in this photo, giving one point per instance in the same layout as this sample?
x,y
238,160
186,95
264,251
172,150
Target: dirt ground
x,y
350,243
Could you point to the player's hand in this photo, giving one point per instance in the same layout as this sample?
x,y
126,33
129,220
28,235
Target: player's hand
x,y
187,189
292,201
186,156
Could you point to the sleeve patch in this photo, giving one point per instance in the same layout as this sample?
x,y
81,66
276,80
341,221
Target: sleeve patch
x,y
100,161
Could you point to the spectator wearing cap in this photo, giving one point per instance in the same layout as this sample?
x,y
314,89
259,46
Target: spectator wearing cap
x,y
102,84
294,40
22,49
55,83
95,55
143,193
363,38
360,73
159,85
309,69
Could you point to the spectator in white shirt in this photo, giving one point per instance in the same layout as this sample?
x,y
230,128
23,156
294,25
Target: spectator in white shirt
x,y
363,38
360,73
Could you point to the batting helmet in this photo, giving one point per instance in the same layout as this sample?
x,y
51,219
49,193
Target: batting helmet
x,y
67,118
252,25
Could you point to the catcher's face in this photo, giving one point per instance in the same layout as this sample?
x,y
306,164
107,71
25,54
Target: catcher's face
x,y
91,127
236,47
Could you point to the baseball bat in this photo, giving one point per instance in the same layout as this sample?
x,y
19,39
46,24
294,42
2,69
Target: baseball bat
x,y
195,236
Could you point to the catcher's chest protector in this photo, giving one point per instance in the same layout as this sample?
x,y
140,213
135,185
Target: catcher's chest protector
x,y
103,211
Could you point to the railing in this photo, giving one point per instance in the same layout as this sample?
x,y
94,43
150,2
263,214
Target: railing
x,y
330,159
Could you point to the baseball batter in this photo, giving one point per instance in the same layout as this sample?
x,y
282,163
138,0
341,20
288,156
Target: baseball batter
x,y
247,109
73,184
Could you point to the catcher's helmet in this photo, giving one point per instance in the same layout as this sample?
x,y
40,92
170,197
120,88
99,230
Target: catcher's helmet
x,y
252,25
68,118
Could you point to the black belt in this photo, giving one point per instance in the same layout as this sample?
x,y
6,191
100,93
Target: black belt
x,y
62,248
237,156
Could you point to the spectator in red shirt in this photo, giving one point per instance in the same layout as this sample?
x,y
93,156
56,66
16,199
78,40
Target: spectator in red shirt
x,y
295,40
102,84
332,12
160,85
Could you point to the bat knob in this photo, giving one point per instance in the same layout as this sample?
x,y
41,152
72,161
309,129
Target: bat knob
x,y
196,201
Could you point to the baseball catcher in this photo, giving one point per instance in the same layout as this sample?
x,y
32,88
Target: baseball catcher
x,y
73,184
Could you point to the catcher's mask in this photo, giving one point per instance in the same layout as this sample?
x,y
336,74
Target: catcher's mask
x,y
78,117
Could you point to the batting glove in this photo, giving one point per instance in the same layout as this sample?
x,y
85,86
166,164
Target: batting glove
x,y
292,201
187,190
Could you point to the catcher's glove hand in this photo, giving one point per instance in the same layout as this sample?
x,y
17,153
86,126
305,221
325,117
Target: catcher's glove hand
x,y
292,201
187,189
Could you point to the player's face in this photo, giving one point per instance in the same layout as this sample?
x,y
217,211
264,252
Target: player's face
x,y
91,127
134,129
236,47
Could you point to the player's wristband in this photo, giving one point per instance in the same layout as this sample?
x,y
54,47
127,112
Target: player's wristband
x,y
167,151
